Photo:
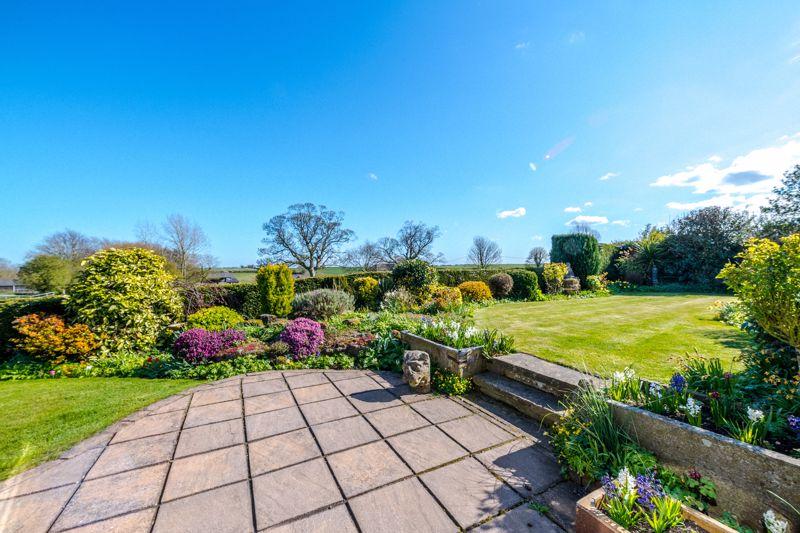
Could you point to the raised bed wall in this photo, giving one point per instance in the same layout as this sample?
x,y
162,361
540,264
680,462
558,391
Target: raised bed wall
x,y
743,473
466,362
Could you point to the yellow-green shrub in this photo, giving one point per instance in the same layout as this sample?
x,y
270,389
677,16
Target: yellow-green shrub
x,y
48,338
215,318
126,298
366,291
475,291
554,277
275,289
446,298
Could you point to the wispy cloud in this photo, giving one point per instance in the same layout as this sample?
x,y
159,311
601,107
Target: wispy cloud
x,y
622,223
745,183
638,209
512,213
588,204
715,159
795,60
372,176
576,37
608,175
522,45
587,219
536,238
572,209
532,166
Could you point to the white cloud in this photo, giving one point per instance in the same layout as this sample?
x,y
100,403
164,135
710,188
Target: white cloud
x,y
532,167
588,204
638,209
513,213
587,219
537,238
745,183
576,37
622,223
608,175
372,176
572,209
795,59
522,45
715,159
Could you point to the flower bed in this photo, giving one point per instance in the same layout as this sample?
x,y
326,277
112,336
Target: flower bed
x,y
464,362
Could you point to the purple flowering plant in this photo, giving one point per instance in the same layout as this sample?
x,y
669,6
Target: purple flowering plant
x,y
198,346
304,337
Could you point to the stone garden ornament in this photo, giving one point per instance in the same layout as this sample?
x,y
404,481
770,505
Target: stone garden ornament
x,y
417,370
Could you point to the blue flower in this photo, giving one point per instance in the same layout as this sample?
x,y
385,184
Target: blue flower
x,y
609,487
648,487
794,424
677,382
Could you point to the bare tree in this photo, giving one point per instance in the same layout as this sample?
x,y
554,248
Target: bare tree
x,y
484,252
147,232
586,229
307,235
413,241
7,269
366,256
185,241
68,244
537,256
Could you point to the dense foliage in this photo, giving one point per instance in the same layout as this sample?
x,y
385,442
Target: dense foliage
x,y
15,308
322,304
275,289
554,277
501,285
198,346
46,273
475,291
580,250
416,276
525,285
48,338
399,301
446,298
216,318
367,292
125,297
782,215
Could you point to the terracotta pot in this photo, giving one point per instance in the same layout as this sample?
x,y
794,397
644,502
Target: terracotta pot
x,y
590,519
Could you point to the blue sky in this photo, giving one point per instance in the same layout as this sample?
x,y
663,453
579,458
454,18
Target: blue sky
x,y
430,111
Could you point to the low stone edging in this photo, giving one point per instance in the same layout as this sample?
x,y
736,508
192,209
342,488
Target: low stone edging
x,y
466,362
742,473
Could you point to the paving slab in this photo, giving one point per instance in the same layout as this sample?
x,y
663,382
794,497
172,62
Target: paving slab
x,y
396,461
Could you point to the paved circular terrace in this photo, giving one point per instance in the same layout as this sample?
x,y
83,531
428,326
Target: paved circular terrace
x,y
321,451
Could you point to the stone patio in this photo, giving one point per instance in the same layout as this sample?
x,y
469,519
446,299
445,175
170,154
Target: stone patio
x,y
322,451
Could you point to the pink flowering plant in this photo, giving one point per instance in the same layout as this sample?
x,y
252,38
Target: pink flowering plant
x,y
199,346
304,337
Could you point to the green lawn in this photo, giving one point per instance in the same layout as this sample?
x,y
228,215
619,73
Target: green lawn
x,y
42,418
648,332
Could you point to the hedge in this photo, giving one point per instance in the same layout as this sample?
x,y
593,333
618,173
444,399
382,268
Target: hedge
x,y
15,308
580,251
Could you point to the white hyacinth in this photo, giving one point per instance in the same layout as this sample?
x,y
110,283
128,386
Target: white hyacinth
x,y
775,524
625,481
655,390
755,415
692,407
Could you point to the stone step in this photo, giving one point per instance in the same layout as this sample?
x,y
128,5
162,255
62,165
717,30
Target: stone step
x,y
540,374
529,401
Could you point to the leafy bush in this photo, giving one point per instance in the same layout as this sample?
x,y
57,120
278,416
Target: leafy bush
x,y
767,281
416,276
48,338
303,336
367,292
501,285
580,250
384,353
446,298
446,382
475,291
399,301
46,273
342,283
15,308
597,283
453,277
125,297
322,304
241,297
275,289
554,277
215,318
526,285
199,346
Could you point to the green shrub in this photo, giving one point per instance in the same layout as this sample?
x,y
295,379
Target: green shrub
x,y
367,292
501,285
580,250
416,276
241,297
554,277
343,282
446,382
597,283
766,280
526,285
46,273
453,277
125,297
475,291
446,298
322,304
215,318
15,308
399,301
275,289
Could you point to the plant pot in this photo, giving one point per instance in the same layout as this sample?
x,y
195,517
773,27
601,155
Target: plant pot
x,y
590,519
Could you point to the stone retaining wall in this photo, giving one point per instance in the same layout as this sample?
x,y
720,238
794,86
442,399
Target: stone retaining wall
x,y
743,473
466,362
